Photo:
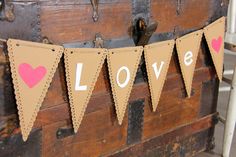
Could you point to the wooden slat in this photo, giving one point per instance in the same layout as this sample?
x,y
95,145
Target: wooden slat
x,y
179,142
99,133
63,24
191,14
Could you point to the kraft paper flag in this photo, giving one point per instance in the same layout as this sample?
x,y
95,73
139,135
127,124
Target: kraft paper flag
x,y
32,66
157,58
83,66
123,64
187,50
214,34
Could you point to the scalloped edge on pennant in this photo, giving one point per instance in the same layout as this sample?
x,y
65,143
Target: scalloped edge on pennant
x,y
147,48
138,49
76,120
219,68
198,34
57,49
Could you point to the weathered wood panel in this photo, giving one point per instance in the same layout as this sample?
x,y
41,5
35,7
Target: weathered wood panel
x,y
68,23
184,141
15,146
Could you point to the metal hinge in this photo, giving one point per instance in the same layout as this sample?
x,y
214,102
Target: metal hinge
x,y
95,9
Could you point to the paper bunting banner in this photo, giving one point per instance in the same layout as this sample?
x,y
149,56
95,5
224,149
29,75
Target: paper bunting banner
x,y
187,50
214,34
123,64
83,66
157,58
32,66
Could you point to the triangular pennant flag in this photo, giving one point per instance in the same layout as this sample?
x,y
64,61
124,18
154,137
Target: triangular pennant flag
x,y
214,34
83,66
157,59
32,66
187,50
123,64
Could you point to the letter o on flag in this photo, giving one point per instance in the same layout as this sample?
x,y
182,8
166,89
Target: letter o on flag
x,y
122,85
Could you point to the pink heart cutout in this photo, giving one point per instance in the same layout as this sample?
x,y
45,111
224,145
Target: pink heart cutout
x,y
31,76
216,44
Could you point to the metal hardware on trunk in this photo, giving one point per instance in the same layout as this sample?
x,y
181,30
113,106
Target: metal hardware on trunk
x,y
135,121
142,28
142,31
45,40
64,132
221,119
6,11
147,33
98,42
26,25
95,9
179,8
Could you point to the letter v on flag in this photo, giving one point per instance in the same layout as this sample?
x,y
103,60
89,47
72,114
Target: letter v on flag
x,y
83,66
122,65
157,59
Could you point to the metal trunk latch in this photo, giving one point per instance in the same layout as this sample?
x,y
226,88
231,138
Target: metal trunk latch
x,y
143,32
143,27
6,11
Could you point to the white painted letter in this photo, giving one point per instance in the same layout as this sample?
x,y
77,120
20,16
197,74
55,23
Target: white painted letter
x,y
122,85
78,78
157,71
188,58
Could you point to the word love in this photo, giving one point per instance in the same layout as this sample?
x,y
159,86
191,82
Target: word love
x,y
34,64
31,76
121,84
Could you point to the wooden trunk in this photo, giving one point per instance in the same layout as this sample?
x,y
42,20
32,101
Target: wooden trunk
x,y
181,126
